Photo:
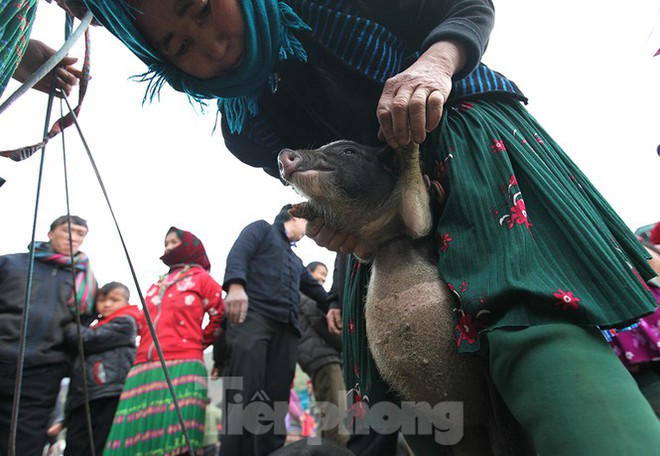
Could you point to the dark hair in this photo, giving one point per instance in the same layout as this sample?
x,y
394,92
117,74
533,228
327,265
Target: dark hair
x,y
283,216
314,265
108,287
62,219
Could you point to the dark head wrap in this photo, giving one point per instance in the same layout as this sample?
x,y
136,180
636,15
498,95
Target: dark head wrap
x,y
190,251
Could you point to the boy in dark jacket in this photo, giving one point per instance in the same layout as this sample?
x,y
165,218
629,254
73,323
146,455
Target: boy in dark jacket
x,y
319,355
109,348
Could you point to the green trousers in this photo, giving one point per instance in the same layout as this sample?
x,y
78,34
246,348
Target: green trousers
x,y
570,392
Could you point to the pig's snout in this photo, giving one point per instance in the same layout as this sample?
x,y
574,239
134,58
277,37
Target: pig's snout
x,y
288,162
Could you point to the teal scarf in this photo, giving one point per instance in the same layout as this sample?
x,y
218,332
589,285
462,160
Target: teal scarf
x,y
268,39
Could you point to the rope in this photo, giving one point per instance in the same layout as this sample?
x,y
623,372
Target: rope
x,y
148,318
26,152
49,64
81,350
23,337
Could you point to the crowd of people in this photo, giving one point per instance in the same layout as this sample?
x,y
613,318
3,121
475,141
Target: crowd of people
x,y
135,395
553,257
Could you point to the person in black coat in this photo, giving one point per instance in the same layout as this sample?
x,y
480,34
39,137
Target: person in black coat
x,y
109,349
52,305
263,279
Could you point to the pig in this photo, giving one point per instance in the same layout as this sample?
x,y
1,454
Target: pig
x,y
381,195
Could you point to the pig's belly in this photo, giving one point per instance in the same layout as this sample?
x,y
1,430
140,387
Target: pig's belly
x,y
410,336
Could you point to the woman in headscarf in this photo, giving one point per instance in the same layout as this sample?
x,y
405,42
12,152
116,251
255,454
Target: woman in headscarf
x,y
536,257
146,422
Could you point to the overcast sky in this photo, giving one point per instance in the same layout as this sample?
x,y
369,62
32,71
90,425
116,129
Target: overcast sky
x,y
586,66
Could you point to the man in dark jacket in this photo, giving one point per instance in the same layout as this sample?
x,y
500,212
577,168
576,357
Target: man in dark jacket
x,y
319,355
52,304
263,279
109,348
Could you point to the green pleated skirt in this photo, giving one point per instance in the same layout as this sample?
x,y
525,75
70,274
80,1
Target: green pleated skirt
x,y
146,422
523,238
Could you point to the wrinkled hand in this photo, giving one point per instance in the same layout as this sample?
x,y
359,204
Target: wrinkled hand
x,y
334,321
412,101
36,54
236,302
337,241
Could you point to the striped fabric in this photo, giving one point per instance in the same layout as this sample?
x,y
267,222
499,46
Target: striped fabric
x,y
146,422
84,292
484,81
375,52
16,19
361,43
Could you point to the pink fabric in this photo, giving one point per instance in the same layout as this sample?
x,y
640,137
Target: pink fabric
x,y
640,344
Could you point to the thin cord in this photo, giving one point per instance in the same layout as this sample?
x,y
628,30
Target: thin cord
x,y
81,350
150,324
18,385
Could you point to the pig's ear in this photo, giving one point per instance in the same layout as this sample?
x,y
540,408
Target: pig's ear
x,y
387,156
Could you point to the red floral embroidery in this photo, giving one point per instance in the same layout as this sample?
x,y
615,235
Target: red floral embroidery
x,y
567,300
465,105
441,168
351,326
639,277
468,329
538,138
464,286
519,214
355,268
498,146
356,411
356,373
445,239
513,181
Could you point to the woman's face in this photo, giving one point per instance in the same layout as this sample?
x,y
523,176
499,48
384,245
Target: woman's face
x,y
172,241
204,38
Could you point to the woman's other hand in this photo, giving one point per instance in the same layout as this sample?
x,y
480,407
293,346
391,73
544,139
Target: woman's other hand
x,y
36,54
337,241
412,101
236,303
333,318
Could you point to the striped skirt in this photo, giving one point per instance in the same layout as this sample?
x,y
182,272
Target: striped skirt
x,y
146,422
523,238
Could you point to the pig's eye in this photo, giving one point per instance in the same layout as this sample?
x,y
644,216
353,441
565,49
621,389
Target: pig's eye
x,y
349,151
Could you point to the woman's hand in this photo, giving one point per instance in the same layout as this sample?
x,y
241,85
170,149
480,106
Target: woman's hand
x,y
412,101
36,54
337,241
333,318
236,302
